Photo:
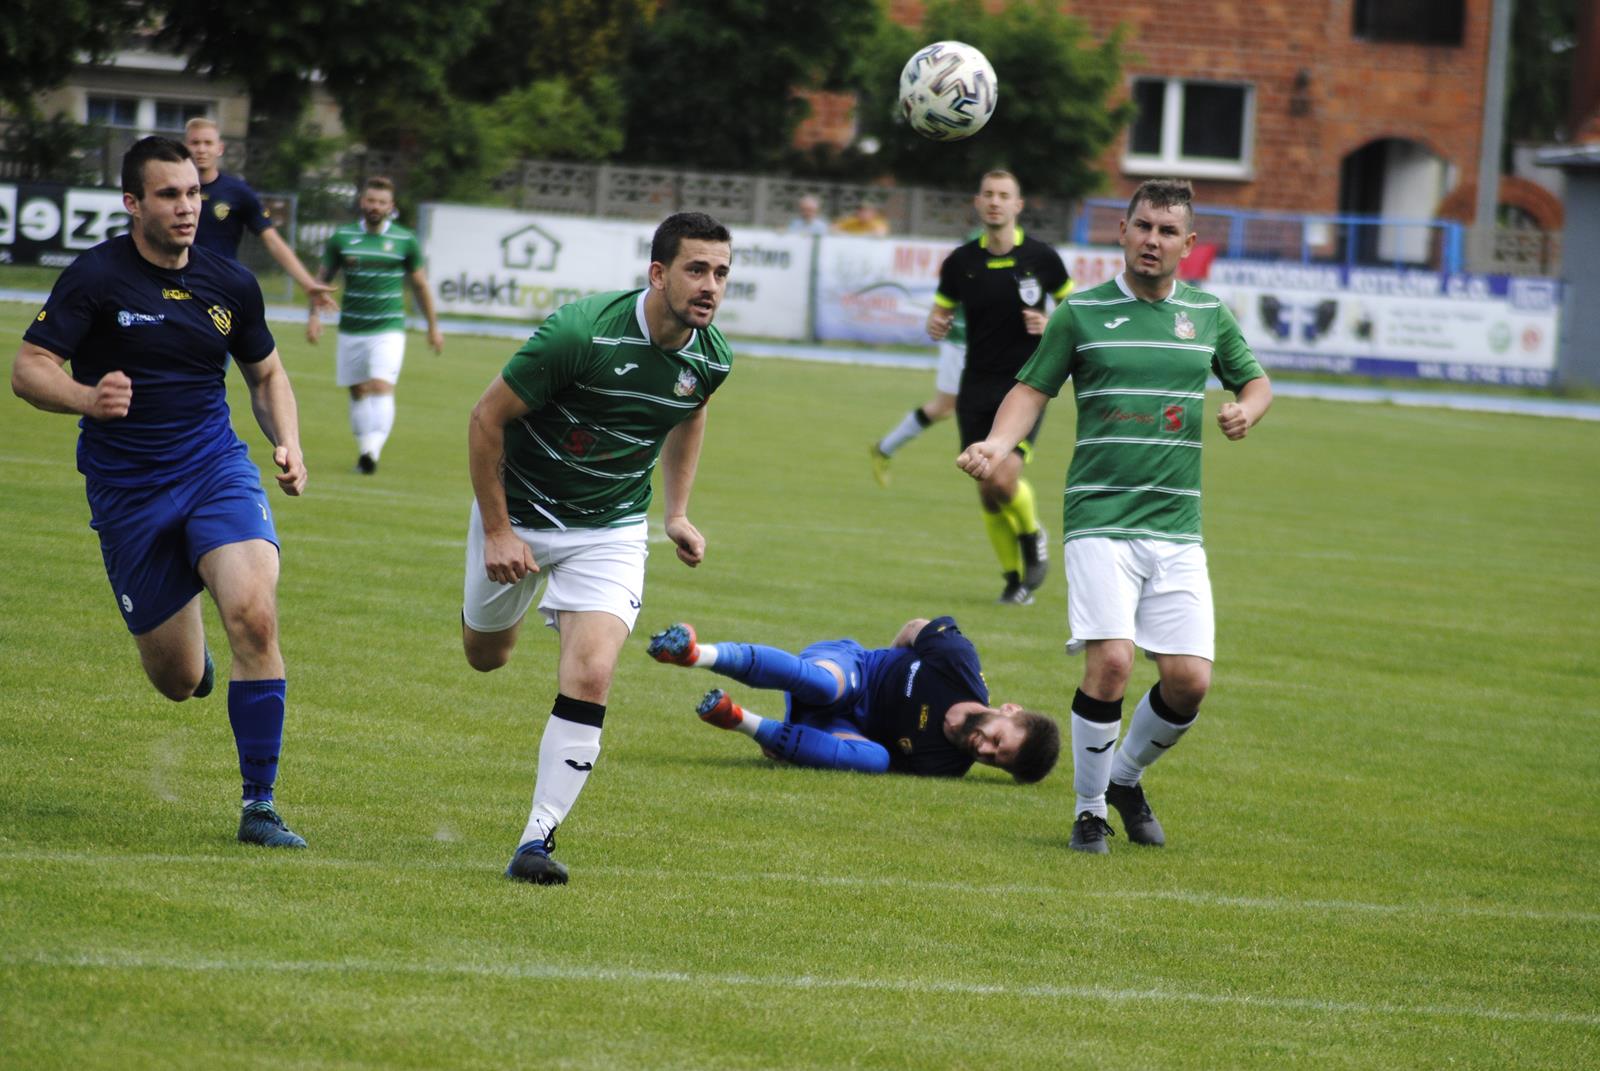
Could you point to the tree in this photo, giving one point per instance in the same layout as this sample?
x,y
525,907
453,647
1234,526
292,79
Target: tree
x,y
1542,48
42,40
1053,121
529,41
710,83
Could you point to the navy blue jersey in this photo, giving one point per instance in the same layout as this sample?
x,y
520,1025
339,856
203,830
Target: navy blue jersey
x,y
168,330
228,206
910,692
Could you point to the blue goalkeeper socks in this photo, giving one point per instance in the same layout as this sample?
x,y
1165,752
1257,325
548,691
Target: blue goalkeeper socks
x,y
805,746
769,667
255,710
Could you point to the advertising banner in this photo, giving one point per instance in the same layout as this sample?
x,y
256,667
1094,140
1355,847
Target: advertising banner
x,y
524,266
48,224
1364,321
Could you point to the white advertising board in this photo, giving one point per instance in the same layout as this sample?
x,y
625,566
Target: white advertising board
x,y
524,266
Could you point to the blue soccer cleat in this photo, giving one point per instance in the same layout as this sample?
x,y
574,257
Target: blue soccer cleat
x,y
533,864
260,824
675,646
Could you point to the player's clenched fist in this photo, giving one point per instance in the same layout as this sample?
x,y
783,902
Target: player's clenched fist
x,y
977,459
112,397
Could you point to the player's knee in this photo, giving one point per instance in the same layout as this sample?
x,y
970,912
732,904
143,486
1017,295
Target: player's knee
x,y
1185,689
176,684
485,659
253,627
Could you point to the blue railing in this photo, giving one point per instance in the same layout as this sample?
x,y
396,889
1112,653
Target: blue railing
x,y
1351,240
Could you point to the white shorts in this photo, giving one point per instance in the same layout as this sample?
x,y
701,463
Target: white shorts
x,y
1150,591
364,357
952,359
580,569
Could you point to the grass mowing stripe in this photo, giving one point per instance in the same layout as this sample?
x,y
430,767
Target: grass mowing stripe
x,y
783,983
1199,899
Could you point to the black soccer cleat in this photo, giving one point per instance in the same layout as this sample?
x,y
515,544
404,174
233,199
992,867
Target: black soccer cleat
x,y
1016,592
533,864
1035,559
208,679
259,823
1089,834
1137,822
366,464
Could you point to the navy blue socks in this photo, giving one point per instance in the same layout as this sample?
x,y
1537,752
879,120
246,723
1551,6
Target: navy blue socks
x,y
255,710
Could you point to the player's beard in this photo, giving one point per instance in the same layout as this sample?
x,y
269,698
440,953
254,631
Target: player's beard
x,y
970,725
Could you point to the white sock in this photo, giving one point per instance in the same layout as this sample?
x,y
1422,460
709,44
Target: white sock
x,y
1149,736
749,722
908,428
567,753
359,421
382,422
707,656
1091,762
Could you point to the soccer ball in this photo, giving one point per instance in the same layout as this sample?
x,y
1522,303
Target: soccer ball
x,y
948,91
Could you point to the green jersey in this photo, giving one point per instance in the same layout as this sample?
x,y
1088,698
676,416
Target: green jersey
x,y
375,264
1138,370
603,398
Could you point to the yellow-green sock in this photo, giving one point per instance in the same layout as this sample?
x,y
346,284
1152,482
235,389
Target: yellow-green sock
x,y
1022,510
1004,540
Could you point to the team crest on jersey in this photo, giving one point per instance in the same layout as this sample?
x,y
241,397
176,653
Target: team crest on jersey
x,y
686,384
578,442
222,318
1182,326
1028,290
1172,417
220,210
905,744
388,246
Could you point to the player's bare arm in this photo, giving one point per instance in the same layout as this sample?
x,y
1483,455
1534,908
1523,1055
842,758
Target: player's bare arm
x,y
506,558
1236,418
1016,416
419,286
909,632
40,378
680,457
939,319
313,319
320,293
272,399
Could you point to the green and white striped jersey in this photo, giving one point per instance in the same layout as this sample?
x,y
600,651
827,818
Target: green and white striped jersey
x,y
603,398
1138,370
375,266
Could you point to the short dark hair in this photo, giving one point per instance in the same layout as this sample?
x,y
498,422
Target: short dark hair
x,y
1041,746
143,151
696,226
1165,193
378,182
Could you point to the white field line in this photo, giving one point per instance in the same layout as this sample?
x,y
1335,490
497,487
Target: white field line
x,y
127,960
1429,909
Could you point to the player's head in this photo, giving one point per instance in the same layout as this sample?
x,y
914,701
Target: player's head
x,y
999,200
377,200
1158,231
161,193
204,142
1023,743
689,260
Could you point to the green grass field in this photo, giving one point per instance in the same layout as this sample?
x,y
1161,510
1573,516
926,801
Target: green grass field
x,y
1384,833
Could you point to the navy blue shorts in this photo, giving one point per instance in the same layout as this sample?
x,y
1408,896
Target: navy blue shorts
x,y
152,537
848,713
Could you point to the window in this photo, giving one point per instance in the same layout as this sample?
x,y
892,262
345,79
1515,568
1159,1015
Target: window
x,y
172,114
1202,129
1417,22
114,111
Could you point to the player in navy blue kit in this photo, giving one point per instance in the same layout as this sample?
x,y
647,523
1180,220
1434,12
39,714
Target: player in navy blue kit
x,y
918,706
147,323
229,207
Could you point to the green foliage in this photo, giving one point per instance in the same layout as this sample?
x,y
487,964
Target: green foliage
x,y
556,120
50,150
42,40
1540,77
1053,121
530,41
711,83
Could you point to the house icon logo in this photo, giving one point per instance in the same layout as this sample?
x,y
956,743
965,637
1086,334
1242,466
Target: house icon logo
x,y
531,247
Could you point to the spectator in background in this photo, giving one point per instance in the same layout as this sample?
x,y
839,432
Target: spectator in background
x,y
809,218
866,219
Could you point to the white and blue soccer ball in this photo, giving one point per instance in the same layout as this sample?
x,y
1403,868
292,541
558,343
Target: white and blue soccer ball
x,y
948,91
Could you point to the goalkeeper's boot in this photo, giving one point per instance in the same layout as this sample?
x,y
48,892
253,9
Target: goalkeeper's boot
x,y
675,646
719,709
533,864
208,679
880,465
1089,834
259,823
1137,821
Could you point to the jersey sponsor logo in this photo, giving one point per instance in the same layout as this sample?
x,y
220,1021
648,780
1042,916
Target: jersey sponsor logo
x,y
1029,290
1118,415
1182,326
139,319
1172,418
912,676
222,318
1112,325
922,718
220,210
625,369
176,295
578,442
686,384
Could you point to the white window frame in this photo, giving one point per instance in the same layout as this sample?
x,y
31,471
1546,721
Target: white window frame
x,y
145,113
1170,159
